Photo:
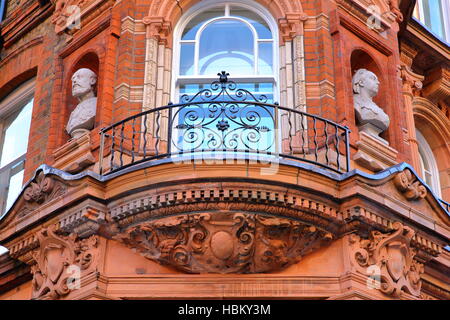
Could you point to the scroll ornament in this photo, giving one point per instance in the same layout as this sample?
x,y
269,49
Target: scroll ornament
x,y
55,261
226,243
43,189
408,184
393,256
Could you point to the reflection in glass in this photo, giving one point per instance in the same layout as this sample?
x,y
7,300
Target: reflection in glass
x,y
187,58
15,186
226,45
262,29
15,138
265,58
192,27
433,16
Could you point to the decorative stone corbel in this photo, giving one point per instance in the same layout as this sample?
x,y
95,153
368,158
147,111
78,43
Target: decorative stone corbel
x,y
411,82
57,262
392,256
291,25
158,28
437,84
408,184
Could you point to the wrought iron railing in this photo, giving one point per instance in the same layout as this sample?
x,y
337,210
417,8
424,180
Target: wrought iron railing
x,y
224,121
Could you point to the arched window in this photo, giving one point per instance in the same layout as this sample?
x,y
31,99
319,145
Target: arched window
x,y
429,168
231,36
15,120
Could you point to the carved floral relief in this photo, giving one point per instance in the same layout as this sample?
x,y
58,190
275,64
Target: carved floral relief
x,y
408,184
394,257
225,242
43,189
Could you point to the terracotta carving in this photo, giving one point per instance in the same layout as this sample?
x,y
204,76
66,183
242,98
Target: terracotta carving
x,y
394,257
82,118
53,259
225,242
370,117
411,188
41,190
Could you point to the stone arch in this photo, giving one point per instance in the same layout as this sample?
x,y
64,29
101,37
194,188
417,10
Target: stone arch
x,y
434,126
163,15
173,9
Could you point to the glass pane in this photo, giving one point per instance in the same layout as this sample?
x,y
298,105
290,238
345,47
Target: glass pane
x,y
16,135
226,45
265,59
192,27
187,58
262,29
15,186
433,16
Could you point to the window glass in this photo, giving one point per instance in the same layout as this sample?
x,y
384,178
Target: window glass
x,y
187,52
226,45
15,186
265,65
15,138
429,168
434,14
192,27
238,40
255,20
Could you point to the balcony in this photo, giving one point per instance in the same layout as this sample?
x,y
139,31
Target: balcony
x,y
224,122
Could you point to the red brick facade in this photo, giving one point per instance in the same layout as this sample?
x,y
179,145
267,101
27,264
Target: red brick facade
x,y
129,45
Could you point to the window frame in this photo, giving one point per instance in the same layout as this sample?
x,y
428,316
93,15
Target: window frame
x,y
199,8
426,155
10,107
419,9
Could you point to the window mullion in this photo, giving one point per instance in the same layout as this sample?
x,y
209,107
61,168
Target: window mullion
x,y
256,53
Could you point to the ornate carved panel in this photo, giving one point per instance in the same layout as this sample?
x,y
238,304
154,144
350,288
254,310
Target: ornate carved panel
x,y
408,184
42,190
393,255
55,261
225,242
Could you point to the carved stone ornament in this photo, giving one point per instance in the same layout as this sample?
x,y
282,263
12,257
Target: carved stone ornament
x,y
225,242
408,184
394,257
56,261
43,189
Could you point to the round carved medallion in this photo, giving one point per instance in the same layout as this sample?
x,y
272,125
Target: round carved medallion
x,y
222,245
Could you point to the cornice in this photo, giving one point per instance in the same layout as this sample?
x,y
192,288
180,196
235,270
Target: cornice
x,y
24,19
428,39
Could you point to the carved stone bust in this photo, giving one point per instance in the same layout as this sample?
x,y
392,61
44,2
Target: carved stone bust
x,y
82,117
370,117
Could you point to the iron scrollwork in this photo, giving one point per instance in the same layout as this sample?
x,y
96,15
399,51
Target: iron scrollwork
x,y
224,117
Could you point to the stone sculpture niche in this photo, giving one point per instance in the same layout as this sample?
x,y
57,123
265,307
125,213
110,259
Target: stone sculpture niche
x,y
82,117
371,119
